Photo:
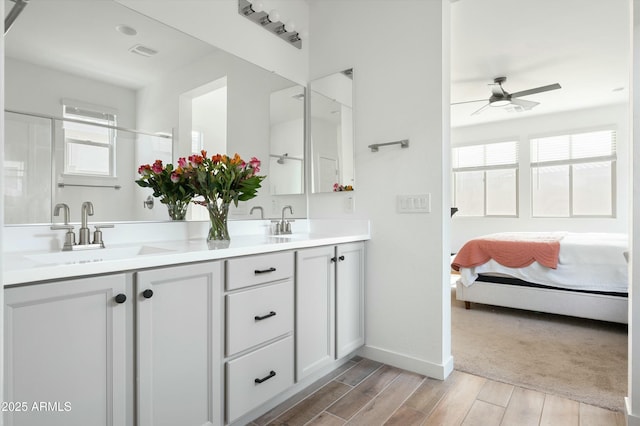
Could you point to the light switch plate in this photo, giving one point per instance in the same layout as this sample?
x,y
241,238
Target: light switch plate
x,y
416,203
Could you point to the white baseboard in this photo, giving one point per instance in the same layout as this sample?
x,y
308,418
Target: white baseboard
x,y
406,362
631,419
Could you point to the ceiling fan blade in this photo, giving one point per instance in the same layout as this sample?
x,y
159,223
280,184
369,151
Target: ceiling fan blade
x,y
481,109
536,90
524,103
468,102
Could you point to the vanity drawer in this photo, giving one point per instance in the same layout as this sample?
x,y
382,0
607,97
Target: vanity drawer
x,y
258,376
263,268
257,315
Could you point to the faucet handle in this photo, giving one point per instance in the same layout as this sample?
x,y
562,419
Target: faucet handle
x,y
97,234
69,236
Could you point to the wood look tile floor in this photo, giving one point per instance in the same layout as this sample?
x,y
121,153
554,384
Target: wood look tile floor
x,y
365,392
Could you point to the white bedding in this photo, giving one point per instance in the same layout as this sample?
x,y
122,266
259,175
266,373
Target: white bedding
x,y
587,261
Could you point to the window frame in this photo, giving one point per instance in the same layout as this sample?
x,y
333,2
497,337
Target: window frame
x,y
484,169
612,158
110,116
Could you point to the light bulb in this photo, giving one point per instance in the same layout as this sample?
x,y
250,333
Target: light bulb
x,y
257,6
274,15
290,26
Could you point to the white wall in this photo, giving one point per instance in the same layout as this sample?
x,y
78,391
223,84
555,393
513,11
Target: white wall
x,y
2,105
523,129
400,88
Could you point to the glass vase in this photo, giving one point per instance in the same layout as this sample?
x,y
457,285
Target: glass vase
x,y
218,236
177,209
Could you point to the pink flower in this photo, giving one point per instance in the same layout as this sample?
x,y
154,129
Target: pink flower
x,y
145,169
157,166
182,162
175,177
255,164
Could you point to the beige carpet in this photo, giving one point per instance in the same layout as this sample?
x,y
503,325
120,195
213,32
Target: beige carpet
x,y
582,360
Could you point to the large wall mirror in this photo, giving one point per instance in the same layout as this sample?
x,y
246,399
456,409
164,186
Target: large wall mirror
x,y
332,142
132,90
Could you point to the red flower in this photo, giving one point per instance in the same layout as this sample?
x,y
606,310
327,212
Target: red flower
x,y
182,162
144,169
216,158
255,164
157,166
175,177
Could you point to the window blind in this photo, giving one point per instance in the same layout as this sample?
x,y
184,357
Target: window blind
x,y
564,149
486,156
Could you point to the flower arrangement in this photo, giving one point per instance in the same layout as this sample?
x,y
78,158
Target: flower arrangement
x,y
220,180
337,187
171,185
228,179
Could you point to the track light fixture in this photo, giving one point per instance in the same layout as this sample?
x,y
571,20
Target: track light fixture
x,y
253,10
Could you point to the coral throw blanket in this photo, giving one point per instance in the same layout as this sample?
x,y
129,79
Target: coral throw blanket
x,y
511,249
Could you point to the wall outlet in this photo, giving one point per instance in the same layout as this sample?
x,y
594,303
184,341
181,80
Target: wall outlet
x,y
417,203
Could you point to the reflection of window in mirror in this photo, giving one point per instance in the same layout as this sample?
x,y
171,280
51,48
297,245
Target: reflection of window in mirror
x,y
89,144
332,132
196,141
286,141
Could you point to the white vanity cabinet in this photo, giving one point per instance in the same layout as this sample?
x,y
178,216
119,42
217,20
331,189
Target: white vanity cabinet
x,y
349,298
66,352
179,345
259,330
329,305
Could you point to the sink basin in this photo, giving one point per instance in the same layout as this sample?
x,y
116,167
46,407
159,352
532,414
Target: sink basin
x,y
95,255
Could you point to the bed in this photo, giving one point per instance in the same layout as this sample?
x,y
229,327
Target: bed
x,y
577,274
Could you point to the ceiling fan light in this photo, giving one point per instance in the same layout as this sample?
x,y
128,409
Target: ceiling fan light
x,y
500,103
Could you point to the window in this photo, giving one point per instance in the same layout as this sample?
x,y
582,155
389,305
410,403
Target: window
x,y
485,179
573,175
89,141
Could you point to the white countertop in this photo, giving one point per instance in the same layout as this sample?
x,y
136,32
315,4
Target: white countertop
x,y
32,266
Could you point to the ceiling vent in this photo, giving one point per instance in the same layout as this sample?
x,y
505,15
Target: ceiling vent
x,y
143,50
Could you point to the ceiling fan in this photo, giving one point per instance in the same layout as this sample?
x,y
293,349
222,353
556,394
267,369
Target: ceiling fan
x,y
502,98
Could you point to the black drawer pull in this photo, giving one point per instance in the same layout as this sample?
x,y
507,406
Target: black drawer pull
x,y
341,258
147,294
264,271
334,259
121,298
264,379
269,315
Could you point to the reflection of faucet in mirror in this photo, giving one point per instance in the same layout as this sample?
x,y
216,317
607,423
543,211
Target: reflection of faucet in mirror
x,y
257,208
65,209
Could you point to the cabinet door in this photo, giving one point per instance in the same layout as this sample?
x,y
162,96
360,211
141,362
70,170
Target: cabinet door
x,y
65,353
315,282
179,358
349,298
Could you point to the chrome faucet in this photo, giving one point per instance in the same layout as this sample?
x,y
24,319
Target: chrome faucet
x,y
284,227
84,233
69,236
257,208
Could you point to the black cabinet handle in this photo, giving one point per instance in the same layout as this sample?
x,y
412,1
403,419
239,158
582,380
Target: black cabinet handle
x,y
264,271
121,298
264,379
341,258
269,315
334,259
147,294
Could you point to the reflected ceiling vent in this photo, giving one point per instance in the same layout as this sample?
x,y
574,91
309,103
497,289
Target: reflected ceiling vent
x,y
348,73
298,97
143,50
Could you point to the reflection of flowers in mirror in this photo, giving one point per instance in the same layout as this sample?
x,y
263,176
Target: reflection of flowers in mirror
x,y
337,187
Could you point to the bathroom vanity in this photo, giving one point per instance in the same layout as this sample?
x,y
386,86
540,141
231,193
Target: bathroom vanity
x,y
170,332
